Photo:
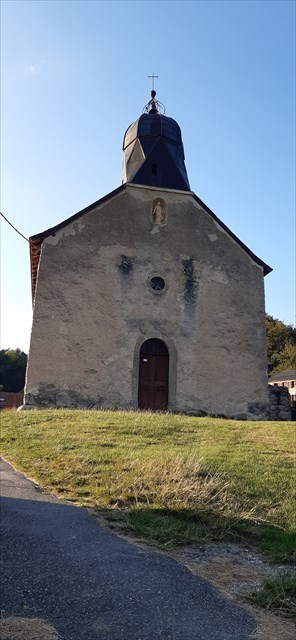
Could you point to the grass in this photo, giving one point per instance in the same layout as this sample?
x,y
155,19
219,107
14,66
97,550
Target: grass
x,y
168,479
17,628
277,595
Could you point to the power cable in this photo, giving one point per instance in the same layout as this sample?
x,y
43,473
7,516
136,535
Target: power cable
x,y
20,234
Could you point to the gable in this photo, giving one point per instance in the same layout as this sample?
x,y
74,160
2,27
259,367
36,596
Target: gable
x,y
149,193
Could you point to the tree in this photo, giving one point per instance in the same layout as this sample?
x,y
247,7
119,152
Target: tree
x,y
13,363
281,345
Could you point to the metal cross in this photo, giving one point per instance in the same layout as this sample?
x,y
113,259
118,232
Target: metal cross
x,y
153,76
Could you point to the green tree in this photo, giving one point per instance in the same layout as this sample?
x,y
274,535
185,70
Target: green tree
x,y
281,345
13,363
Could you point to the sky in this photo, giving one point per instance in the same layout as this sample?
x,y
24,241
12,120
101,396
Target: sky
x,y
74,76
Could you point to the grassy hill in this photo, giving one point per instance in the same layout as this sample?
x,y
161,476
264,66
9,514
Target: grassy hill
x,y
168,479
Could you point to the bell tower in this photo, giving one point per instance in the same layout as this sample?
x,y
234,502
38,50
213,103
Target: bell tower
x,y
153,150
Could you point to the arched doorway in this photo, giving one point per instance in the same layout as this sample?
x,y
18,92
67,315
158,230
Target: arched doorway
x,y
153,375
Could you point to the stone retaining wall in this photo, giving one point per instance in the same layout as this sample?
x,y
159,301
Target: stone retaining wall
x,y
279,403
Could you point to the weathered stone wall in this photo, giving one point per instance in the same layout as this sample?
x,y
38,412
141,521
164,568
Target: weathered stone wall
x,y
94,308
279,403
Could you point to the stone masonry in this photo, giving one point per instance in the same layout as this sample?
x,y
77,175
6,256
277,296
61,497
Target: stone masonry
x,y
279,403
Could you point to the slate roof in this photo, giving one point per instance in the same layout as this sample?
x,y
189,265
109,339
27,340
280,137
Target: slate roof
x,y
283,376
154,153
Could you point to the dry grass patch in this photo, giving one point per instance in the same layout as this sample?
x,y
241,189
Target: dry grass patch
x,y
170,482
272,628
225,573
27,629
171,500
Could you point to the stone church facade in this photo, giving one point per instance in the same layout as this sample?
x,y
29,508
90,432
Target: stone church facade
x,y
145,299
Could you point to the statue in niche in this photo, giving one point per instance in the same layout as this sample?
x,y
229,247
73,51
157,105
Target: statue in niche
x,y
158,217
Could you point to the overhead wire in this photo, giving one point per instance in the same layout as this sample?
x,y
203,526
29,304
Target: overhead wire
x,y
20,234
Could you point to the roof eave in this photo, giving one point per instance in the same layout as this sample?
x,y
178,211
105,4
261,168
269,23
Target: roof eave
x,y
266,268
76,216
37,240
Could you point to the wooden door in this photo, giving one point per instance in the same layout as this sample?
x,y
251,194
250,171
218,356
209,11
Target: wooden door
x,y
153,376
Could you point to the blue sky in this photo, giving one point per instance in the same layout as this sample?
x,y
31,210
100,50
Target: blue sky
x,y
74,76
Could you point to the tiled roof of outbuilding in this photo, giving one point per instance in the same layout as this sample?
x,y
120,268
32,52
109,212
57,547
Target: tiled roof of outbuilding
x,y
283,376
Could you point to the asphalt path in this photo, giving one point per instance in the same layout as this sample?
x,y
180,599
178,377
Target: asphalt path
x,y
58,563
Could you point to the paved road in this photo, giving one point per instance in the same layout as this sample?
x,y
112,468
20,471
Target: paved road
x,y
60,564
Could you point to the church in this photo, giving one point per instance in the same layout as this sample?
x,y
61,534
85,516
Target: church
x,y
145,299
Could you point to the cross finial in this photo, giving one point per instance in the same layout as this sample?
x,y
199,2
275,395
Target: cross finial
x,y
153,76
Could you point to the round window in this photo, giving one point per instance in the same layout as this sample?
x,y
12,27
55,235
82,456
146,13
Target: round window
x,y
157,283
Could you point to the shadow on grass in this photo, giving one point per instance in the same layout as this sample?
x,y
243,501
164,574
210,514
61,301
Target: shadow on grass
x,y
171,527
